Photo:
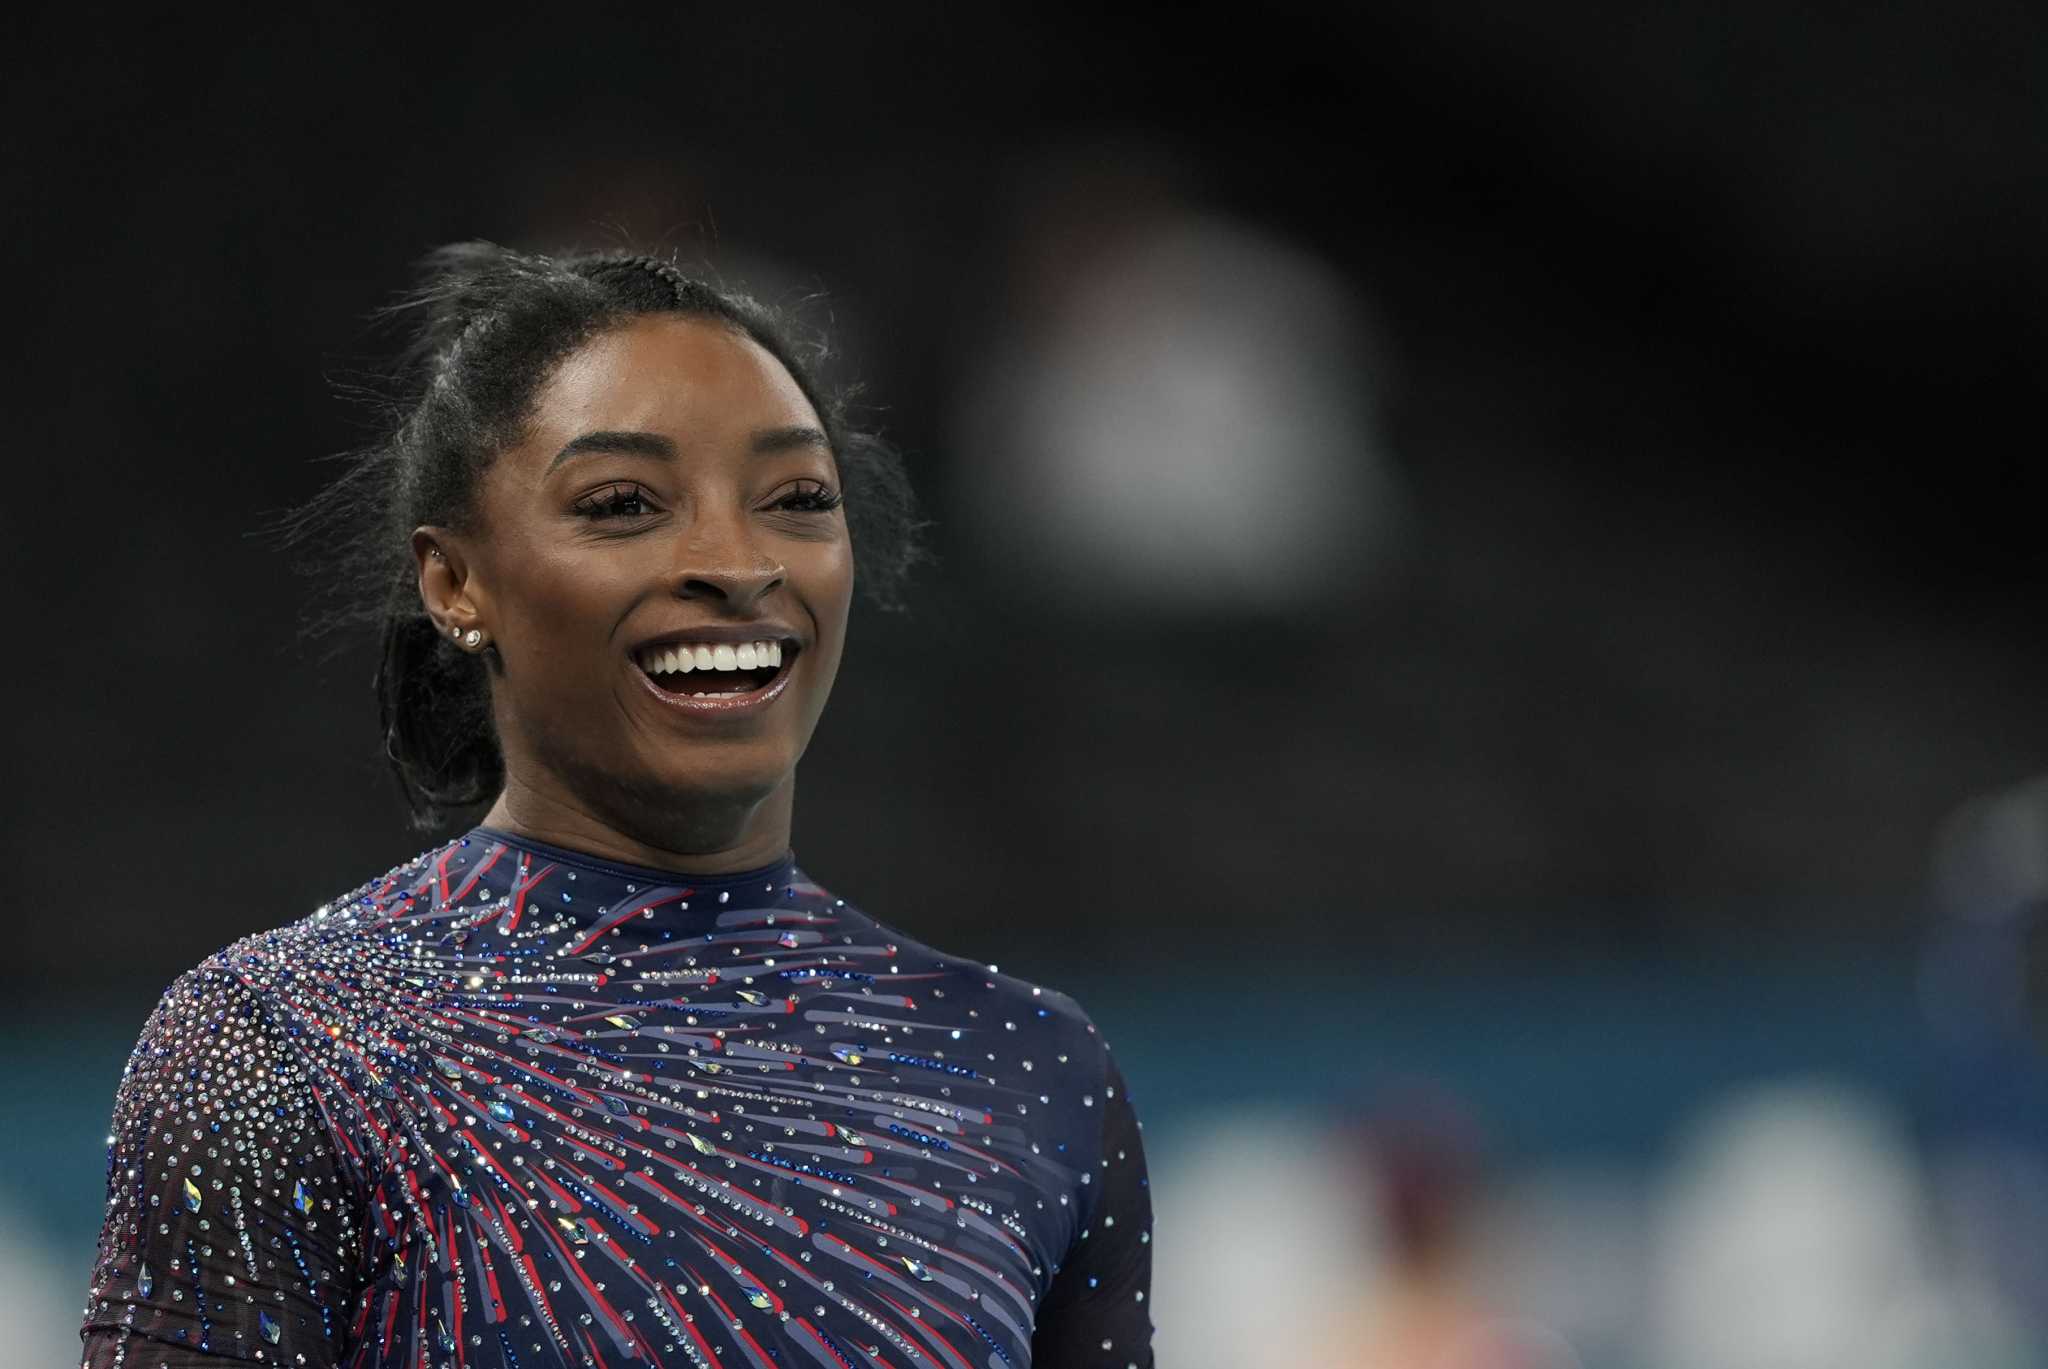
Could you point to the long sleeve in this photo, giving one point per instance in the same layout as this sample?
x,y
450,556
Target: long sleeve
x,y
1096,1313
231,1234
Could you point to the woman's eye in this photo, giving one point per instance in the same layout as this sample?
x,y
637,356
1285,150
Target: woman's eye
x,y
809,498
616,501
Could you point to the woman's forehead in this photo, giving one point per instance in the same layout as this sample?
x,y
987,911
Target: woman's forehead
x,y
693,380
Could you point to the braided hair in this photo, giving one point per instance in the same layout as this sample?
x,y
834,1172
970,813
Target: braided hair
x,y
489,325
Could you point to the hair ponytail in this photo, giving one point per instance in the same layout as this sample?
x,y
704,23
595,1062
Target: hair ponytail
x,y
433,708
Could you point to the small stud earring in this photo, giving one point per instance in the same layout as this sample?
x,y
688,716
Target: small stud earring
x,y
455,632
472,639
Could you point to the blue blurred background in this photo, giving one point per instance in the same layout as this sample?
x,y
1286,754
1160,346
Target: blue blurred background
x,y
1485,616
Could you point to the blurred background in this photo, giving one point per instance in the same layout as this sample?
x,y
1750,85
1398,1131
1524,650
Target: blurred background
x,y
1486,612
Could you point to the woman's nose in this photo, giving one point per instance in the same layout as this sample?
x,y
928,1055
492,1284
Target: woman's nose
x,y
721,559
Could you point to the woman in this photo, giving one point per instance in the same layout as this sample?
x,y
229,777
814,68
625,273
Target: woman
x,y
607,1079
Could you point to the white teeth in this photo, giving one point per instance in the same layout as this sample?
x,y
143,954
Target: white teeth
x,y
763,655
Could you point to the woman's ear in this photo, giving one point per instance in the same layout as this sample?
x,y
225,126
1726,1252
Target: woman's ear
x,y
447,589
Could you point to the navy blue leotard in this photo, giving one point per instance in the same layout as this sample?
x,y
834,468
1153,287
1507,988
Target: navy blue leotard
x,y
513,1105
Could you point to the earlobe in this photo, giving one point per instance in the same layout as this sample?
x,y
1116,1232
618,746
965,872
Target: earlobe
x,y
445,591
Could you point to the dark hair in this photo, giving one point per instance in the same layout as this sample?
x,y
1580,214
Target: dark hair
x,y
489,325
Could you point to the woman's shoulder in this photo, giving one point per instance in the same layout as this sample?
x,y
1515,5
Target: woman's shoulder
x,y
1006,1011
251,974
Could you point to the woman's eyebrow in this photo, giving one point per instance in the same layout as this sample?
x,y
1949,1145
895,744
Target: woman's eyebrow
x,y
626,443
768,440
635,443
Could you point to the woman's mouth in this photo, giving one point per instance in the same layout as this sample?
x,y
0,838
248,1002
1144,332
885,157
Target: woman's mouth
x,y
717,676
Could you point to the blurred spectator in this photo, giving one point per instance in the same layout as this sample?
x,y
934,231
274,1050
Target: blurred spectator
x,y
1991,856
1184,416
1361,1238
1254,1209
1985,995
1795,1234
1424,1154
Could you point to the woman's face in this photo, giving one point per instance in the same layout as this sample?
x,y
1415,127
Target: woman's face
x,y
674,498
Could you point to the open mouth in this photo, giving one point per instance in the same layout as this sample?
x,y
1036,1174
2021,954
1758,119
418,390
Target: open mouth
x,y
716,670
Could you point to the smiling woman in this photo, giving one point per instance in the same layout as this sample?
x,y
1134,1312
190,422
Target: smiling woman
x,y
607,1079
671,487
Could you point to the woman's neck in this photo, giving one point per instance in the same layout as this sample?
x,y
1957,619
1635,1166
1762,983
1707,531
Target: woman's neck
x,y
714,836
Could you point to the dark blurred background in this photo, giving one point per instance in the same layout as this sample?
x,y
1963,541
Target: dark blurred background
x,y
1483,552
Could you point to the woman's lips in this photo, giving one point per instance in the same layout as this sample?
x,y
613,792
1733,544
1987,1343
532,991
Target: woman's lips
x,y
721,704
